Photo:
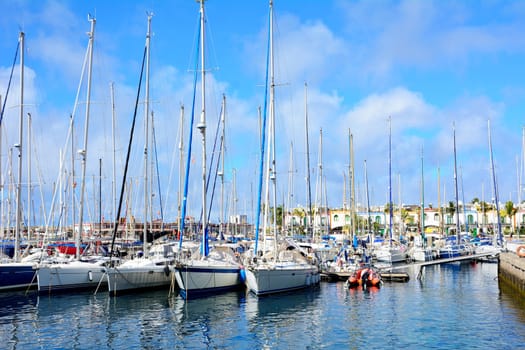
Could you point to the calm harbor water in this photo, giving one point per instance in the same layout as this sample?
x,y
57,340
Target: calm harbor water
x,y
452,307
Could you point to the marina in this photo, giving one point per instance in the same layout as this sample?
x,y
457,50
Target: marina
x,y
466,299
166,218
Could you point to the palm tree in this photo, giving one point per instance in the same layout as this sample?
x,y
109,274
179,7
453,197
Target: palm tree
x,y
301,213
451,209
510,211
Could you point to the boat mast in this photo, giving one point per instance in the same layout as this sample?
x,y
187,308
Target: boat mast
x,y
19,146
422,199
221,172
400,204
29,176
234,200
146,138
319,184
494,182
367,203
113,129
456,188
202,128
290,204
273,166
352,183
83,151
181,168
390,209
521,179
309,233
263,144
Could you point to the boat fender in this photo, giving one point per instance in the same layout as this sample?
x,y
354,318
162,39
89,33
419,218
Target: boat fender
x,y
520,251
90,276
242,274
167,270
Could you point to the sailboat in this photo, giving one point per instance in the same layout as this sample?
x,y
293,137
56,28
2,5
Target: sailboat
x,y
393,251
284,267
420,251
17,274
497,243
152,269
83,272
206,271
453,246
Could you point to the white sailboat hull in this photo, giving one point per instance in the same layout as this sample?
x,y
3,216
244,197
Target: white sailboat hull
x,y
202,277
76,275
391,255
422,254
280,277
138,274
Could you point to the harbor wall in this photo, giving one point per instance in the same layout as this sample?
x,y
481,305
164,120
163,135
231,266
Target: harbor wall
x,y
511,268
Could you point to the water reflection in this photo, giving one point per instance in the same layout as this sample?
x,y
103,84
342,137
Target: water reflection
x,y
206,322
467,301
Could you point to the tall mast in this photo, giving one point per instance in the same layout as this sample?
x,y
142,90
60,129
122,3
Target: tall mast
x,y
422,198
439,200
83,151
390,176
367,201
146,142
463,199
273,166
29,196
351,175
202,128
181,168
494,182
114,185
263,142
221,172
400,204
234,200
19,146
73,179
521,177
289,206
308,187
319,183
456,188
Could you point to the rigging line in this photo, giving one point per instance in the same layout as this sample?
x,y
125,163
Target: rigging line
x,y
115,229
212,161
188,156
263,142
158,176
215,181
68,138
9,83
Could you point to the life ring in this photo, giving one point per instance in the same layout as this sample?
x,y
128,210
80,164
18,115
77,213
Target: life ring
x,y
520,251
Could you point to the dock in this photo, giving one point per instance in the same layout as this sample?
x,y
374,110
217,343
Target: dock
x,y
389,274
511,268
422,264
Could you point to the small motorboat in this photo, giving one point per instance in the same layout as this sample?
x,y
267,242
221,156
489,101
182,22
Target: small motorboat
x,y
364,277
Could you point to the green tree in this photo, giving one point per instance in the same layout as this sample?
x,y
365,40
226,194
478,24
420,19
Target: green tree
x,y
451,209
510,211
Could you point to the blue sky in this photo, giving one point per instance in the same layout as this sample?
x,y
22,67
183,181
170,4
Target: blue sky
x,y
426,64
